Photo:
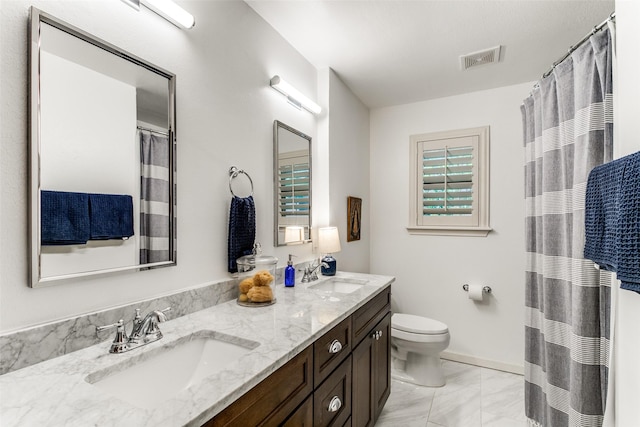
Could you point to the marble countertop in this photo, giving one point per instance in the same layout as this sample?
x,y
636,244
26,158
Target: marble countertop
x,y
56,393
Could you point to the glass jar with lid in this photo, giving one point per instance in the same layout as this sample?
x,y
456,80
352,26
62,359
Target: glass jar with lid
x,y
257,275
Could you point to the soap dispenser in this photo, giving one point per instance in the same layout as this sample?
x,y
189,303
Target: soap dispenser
x,y
290,273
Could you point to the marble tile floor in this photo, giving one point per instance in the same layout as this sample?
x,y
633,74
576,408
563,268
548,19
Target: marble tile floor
x,y
472,397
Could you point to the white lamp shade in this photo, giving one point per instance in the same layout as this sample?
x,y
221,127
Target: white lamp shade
x,y
328,240
293,234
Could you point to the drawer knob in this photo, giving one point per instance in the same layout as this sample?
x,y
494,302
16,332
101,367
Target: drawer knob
x,y
335,347
335,404
376,335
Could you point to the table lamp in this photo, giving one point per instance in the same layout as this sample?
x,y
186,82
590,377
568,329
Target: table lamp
x,y
328,243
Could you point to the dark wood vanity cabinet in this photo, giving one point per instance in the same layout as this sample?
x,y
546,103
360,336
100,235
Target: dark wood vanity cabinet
x,y
343,379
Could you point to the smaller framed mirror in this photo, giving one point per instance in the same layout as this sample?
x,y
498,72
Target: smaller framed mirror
x,y
292,185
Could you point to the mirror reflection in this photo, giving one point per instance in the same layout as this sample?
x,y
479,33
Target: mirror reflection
x,y
102,156
292,185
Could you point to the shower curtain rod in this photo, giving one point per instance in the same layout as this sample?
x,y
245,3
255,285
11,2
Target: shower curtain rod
x,y
584,39
153,131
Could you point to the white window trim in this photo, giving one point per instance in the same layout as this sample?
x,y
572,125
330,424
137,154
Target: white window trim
x,y
482,175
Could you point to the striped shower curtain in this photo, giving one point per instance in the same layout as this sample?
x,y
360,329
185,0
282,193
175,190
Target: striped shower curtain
x,y
568,129
154,200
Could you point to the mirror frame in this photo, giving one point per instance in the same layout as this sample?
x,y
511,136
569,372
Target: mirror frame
x,y
279,125
37,17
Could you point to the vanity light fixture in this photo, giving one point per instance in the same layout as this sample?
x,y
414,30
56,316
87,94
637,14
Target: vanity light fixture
x,y
294,96
168,10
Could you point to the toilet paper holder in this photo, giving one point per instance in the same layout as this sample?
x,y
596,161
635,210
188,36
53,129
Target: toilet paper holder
x,y
486,289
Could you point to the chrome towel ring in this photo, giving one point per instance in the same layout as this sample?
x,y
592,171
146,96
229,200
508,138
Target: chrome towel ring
x,y
233,173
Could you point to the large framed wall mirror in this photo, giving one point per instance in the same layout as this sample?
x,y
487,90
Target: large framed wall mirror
x,y
102,156
292,185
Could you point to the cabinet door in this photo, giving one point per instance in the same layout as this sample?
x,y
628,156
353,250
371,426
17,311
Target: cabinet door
x,y
362,372
382,365
371,375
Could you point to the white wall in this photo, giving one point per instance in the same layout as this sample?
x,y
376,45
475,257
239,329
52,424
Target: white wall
x,y
349,170
431,270
627,94
225,113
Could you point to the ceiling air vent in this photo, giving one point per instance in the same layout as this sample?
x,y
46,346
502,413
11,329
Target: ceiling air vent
x,y
479,58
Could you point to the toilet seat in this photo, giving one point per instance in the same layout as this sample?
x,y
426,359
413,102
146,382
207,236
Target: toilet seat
x,y
417,324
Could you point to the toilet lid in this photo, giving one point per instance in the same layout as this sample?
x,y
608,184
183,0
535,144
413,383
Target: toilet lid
x,y
417,324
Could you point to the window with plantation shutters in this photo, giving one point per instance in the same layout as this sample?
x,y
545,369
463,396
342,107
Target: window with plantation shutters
x,y
293,188
449,181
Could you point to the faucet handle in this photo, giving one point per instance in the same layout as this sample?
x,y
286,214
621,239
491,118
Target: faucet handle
x,y
137,319
161,314
120,343
118,324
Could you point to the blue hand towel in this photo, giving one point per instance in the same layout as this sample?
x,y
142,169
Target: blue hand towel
x,y
612,219
242,230
629,225
64,218
111,216
601,214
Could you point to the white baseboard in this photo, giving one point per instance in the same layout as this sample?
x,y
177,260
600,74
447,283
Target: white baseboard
x,y
485,363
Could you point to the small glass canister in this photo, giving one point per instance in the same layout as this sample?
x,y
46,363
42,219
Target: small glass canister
x,y
257,274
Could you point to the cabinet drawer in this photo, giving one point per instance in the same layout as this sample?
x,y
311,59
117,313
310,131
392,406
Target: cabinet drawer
x,y
271,401
336,388
368,316
330,350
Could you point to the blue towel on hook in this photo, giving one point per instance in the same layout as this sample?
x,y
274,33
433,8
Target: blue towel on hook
x,y
111,216
64,218
612,219
242,230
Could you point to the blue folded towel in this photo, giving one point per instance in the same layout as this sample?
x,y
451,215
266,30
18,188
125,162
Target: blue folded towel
x,y
612,219
242,230
64,218
111,216
629,225
602,201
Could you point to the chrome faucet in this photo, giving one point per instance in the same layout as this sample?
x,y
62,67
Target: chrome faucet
x,y
147,330
311,271
144,331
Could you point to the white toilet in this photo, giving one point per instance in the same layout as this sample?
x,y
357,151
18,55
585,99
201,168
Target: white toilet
x,y
416,344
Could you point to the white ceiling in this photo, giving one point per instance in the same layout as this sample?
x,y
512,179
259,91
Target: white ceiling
x,y
392,52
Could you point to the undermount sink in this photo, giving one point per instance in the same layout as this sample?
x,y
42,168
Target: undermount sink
x,y
339,285
156,376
